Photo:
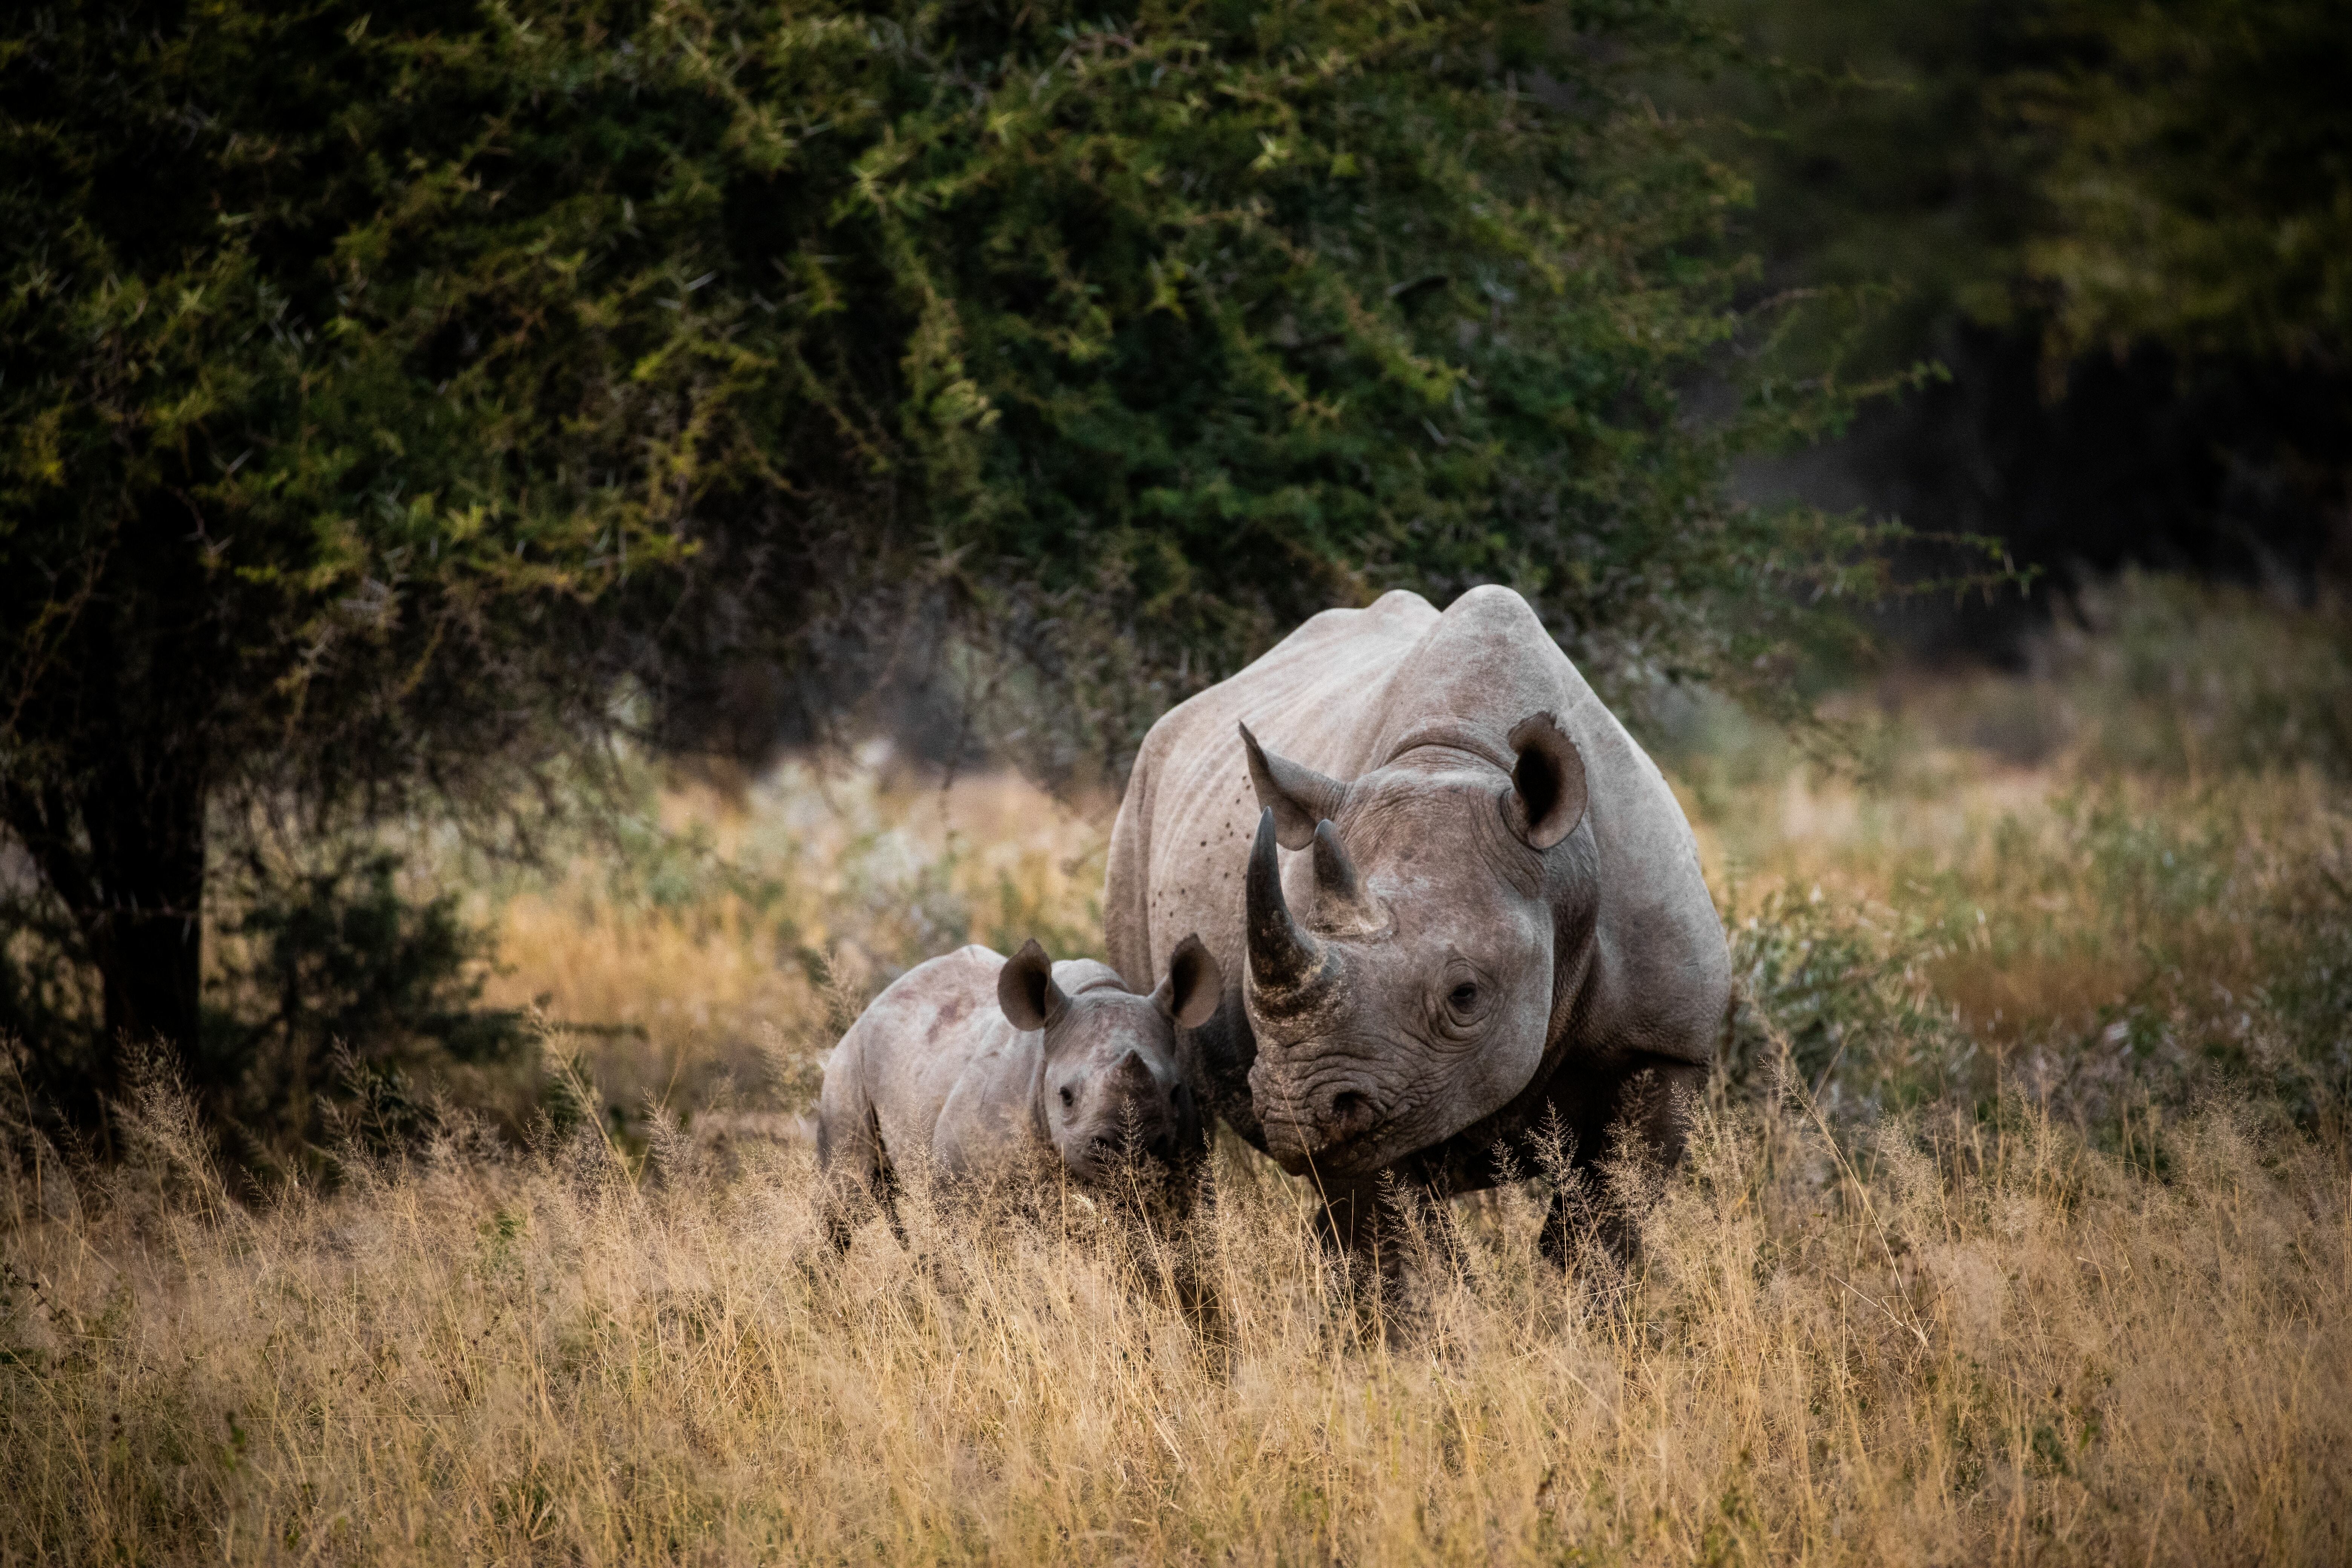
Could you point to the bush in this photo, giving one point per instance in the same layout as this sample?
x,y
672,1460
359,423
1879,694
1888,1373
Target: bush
x,y
331,986
1840,996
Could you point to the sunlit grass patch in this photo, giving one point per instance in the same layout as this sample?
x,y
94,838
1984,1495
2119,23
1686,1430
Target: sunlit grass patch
x,y
1946,1340
2155,899
2110,935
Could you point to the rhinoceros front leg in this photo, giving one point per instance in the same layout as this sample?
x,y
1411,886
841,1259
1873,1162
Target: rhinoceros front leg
x,y
1356,1222
1387,1232
1616,1140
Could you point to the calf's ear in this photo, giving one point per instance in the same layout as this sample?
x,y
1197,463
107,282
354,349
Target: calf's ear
x,y
1548,797
1025,989
1298,797
1193,985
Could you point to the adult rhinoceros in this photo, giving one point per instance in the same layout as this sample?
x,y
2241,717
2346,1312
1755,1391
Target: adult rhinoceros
x,y
1502,913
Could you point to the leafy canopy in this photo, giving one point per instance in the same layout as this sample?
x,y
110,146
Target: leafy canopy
x,y
1168,328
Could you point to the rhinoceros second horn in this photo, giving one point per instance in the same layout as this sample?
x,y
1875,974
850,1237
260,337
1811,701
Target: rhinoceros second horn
x,y
1343,905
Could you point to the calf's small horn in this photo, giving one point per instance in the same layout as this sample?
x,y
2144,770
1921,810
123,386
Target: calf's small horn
x,y
1282,959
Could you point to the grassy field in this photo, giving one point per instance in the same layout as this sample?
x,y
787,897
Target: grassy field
x,y
2019,1226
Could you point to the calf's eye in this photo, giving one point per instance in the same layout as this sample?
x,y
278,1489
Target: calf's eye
x,y
1464,997
1067,1098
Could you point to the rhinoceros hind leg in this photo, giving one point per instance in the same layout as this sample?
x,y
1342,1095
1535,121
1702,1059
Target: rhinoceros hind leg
x,y
854,1169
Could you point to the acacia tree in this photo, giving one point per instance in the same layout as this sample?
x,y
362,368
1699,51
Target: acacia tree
x,y
1211,316
385,393
308,489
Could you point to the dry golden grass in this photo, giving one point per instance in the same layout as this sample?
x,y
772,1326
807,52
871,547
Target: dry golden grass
x,y
1955,1343
2062,896
2096,931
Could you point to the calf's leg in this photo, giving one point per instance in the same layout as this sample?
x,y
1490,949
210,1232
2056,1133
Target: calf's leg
x,y
851,1162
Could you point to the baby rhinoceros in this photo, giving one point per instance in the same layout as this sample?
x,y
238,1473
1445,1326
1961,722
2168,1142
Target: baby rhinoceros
x,y
981,1065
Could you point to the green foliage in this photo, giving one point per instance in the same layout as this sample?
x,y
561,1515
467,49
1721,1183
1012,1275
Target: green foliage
x,y
283,373
331,985
1886,187
1181,323
1839,998
2109,232
304,496
2111,172
1260,312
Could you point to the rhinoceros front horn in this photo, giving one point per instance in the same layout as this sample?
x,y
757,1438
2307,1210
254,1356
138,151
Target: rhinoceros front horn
x,y
1282,959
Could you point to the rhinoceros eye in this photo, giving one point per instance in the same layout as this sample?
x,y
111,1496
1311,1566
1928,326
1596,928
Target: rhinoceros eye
x,y
1067,1098
1458,1010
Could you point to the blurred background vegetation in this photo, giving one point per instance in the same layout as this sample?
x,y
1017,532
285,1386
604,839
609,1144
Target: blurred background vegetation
x,y
473,476
2115,230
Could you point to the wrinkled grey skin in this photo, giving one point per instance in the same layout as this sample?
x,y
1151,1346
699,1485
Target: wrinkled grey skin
x,y
982,1065
1499,916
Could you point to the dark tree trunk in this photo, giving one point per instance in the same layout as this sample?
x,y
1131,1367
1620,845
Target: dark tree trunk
x,y
125,855
113,809
146,820
141,793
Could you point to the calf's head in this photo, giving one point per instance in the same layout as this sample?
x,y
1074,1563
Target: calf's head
x,y
1401,988
1110,1086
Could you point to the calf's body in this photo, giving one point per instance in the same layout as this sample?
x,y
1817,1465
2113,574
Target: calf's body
x,y
980,1065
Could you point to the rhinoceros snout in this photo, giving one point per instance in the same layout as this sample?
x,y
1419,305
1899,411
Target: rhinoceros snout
x,y
1303,1123
1108,1153
1144,1134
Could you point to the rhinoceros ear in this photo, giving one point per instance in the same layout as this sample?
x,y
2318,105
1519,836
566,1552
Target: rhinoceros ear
x,y
1025,989
1548,797
1193,985
1298,797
